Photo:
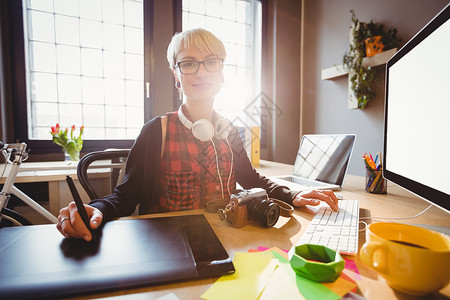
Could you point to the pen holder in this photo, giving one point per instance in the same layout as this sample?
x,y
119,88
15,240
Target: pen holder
x,y
375,182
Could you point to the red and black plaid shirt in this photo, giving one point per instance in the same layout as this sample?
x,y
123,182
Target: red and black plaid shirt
x,y
189,176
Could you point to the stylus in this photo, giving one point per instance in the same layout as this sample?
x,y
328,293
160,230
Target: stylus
x,y
79,203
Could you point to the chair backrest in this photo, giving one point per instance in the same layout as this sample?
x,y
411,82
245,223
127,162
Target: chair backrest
x,y
94,167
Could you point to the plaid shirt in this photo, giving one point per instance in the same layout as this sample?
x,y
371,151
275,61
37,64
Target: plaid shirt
x,y
189,176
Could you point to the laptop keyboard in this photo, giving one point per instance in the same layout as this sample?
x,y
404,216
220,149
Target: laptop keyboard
x,y
304,182
336,230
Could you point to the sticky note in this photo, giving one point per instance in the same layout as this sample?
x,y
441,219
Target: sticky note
x,y
253,271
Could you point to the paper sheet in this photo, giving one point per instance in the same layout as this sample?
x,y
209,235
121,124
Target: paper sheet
x,y
253,271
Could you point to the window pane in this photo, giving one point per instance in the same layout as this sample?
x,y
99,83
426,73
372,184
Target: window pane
x,y
133,13
91,9
70,114
94,116
67,30
195,6
113,37
115,117
133,40
91,62
113,64
135,117
134,92
212,9
90,34
69,89
115,91
43,87
68,59
65,7
44,5
41,27
46,114
134,66
229,9
92,90
113,11
42,57
115,133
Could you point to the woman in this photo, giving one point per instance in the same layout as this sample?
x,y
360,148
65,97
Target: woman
x,y
188,157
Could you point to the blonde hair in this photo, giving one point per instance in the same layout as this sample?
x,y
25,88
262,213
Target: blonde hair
x,y
199,38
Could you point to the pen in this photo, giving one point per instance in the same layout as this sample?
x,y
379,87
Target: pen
x,y
79,203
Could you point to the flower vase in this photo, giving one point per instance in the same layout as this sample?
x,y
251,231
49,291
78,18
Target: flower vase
x,y
71,158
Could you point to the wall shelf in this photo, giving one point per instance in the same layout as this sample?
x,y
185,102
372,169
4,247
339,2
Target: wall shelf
x,y
379,59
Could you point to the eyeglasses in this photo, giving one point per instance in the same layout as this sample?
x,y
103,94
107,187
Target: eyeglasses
x,y
191,66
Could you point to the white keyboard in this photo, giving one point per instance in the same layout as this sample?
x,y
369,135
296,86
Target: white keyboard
x,y
336,230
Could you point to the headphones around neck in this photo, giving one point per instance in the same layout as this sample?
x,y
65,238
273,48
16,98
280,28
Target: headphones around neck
x,y
203,129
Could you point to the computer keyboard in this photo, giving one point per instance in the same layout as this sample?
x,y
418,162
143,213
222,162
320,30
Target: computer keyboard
x,y
336,230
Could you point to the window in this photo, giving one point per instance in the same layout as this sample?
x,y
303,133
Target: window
x,y
238,24
84,66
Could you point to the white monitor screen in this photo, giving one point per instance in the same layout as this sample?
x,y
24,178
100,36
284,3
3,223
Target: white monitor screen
x,y
417,116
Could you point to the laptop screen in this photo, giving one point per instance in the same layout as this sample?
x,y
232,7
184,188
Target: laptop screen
x,y
324,157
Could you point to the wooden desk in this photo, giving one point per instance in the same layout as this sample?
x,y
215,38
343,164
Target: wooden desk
x,y
285,234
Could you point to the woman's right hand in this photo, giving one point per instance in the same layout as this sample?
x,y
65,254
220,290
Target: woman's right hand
x,y
71,225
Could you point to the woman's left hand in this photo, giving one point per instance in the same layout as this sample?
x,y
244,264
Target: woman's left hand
x,y
314,197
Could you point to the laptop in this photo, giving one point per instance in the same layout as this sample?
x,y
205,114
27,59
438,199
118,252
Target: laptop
x,y
37,261
321,163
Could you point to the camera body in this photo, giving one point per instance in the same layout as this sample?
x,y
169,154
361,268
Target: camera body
x,y
250,205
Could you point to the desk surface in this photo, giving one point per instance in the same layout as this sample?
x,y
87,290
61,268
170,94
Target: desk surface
x,y
396,203
51,171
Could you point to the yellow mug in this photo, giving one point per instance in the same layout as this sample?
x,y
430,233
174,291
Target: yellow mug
x,y
411,259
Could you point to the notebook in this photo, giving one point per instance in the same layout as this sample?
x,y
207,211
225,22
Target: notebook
x,y
39,261
321,162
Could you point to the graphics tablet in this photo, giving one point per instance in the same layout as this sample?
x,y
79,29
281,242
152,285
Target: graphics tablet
x,y
37,261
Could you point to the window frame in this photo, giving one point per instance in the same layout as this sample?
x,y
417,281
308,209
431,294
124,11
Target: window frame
x,y
15,77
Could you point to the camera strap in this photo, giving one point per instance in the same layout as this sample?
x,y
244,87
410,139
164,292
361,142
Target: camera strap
x,y
286,210
214,205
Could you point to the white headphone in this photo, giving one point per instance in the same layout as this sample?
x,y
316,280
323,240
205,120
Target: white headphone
x,y
203,129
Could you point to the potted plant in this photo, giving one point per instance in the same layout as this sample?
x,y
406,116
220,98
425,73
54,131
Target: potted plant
x,y
366,39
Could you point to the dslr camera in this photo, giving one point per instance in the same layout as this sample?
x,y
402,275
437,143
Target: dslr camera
x,y
250,205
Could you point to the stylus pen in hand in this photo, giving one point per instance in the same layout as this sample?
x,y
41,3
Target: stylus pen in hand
x,y
79,203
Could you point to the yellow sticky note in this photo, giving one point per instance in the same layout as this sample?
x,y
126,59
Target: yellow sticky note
x,y
280,286
253,271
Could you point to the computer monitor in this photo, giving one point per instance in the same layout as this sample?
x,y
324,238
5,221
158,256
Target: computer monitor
x,y
417,114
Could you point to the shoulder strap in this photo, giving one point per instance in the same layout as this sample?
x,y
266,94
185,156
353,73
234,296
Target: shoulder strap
x,y
163,133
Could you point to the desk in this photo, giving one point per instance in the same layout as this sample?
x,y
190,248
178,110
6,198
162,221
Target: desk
x,y
288,231
54,173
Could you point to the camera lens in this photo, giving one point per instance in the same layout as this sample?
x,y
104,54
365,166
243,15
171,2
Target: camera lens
x,y
263,211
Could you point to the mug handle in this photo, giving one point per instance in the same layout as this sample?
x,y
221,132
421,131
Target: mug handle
x,y
366,255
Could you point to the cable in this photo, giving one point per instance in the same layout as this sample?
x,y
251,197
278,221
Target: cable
x,y
390,218
217,165
231,167
364,226
397,218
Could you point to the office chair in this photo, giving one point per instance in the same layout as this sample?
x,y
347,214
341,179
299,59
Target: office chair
x,y
115,164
